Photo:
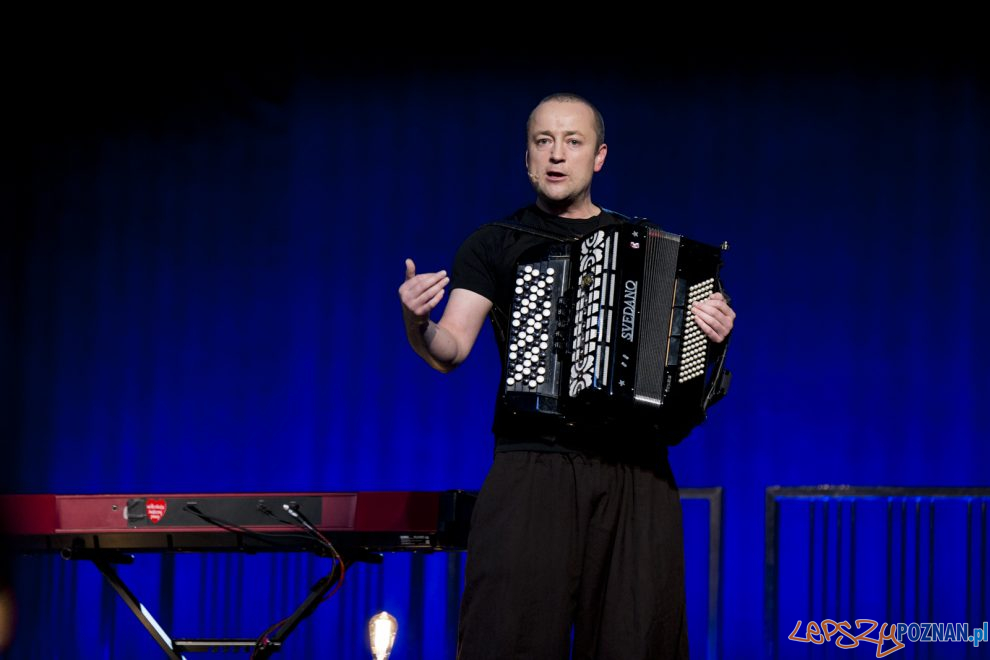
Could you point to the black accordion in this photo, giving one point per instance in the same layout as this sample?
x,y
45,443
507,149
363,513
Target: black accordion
x,y
602,326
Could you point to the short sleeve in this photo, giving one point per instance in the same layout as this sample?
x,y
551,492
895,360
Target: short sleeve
x,y
474,268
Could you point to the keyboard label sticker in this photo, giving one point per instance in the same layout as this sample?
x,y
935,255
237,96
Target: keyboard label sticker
x,y
155,509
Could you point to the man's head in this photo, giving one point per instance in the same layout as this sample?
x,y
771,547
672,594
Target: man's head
x,y
565,146
573,98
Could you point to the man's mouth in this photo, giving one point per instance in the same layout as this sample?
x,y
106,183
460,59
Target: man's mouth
x,y
554,175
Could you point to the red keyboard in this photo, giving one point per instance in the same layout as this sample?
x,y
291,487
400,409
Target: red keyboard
x,y
379,521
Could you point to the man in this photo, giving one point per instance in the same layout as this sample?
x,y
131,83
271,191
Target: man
x,y
574,532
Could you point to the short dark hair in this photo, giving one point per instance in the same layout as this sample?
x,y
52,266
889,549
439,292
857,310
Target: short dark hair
x,y
577,98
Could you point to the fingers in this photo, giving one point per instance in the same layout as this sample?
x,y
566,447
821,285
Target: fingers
x,y
718,305
436,299
714,317
421,293
712,332
423,299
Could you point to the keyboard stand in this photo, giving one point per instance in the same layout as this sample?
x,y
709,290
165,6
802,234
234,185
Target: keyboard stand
x,y
104,560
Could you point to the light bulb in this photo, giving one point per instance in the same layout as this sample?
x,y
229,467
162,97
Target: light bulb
x,y
381,632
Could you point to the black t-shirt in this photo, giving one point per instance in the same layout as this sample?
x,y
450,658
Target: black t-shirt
x,y
486,264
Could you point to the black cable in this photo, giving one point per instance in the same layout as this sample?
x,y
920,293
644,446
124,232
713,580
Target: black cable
x,y
264,537
338,569
296,518
308,526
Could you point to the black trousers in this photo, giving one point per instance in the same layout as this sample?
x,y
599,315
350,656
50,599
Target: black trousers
x,y
566,544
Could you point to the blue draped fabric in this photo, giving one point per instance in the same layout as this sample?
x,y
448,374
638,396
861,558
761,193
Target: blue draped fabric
x,y
203,262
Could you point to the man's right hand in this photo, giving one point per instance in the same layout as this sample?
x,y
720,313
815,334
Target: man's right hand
x,y
421,293
447,342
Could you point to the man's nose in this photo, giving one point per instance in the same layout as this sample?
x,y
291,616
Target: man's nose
x,y
557,152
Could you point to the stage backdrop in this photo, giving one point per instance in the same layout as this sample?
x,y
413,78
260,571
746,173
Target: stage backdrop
x,y
204,252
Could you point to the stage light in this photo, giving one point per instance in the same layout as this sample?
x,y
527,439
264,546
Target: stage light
x,y
381,633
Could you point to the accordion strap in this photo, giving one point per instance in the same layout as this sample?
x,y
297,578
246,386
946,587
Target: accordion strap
x,y
515,224
526,229
721,378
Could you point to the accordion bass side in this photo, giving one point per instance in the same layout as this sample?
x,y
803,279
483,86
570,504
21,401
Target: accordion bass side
x,y
603,326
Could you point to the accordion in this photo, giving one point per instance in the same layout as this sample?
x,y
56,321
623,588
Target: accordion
x,y
602,326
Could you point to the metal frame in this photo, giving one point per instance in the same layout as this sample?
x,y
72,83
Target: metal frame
x,y
771,569
715,497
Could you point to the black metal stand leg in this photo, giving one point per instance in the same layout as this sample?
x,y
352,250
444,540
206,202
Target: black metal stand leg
x,y
139,610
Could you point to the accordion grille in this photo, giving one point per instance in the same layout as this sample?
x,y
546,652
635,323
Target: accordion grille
x,y
592,316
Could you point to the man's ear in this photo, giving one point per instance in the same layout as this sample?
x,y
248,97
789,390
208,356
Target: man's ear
x,y
600,157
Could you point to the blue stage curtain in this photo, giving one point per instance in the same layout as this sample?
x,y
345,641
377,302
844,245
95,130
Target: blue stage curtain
x,y
203,298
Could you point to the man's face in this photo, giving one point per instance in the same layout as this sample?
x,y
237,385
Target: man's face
x,y
561,156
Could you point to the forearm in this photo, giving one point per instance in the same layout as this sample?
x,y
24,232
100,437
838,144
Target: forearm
x,y
434,344
447,343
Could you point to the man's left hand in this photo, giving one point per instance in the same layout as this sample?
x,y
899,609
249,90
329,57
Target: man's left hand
x,y
714,317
